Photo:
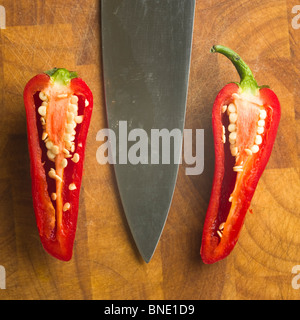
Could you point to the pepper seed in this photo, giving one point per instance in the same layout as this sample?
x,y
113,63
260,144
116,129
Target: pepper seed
x,y
75,158
249,152
72,187
66,207
43,96
255,148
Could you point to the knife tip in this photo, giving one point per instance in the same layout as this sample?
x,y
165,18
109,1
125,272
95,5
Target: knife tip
x,y
147,256
147,259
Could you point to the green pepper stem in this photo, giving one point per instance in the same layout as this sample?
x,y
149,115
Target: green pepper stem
x,y
247,83
61,76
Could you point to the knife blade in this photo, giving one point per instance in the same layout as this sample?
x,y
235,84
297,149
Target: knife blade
x,y
146,51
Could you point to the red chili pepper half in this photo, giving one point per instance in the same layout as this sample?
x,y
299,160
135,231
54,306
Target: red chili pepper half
x,y
245,119
58,108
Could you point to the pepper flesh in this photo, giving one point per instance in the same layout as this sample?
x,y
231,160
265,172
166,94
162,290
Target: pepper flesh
x,y
239,162
57,227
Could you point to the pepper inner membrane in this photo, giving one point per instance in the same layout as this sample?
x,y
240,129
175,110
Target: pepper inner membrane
x,y
45,161
66,173
243,133
229,180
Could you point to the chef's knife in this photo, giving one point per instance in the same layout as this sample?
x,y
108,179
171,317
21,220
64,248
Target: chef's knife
x,y
146,48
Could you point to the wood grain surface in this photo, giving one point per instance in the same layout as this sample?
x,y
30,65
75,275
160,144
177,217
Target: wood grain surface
x,y
42,34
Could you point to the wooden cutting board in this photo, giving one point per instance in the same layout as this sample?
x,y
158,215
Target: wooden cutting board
x,y
43,34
